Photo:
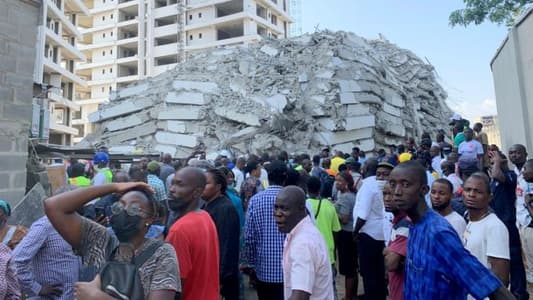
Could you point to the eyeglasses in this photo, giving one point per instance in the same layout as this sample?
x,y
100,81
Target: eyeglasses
x,y
132,210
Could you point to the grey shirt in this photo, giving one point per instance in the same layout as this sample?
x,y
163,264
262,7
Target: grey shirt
x,y
344,206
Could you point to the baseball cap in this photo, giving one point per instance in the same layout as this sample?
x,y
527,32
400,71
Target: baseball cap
x,y
152,166
456,117
5,207
101,157
386,164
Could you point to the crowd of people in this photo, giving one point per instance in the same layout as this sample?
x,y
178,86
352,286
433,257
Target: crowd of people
x,y
431,219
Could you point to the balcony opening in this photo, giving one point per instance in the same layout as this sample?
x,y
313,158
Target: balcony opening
x,y
76,115
160,3
261,12
274,19
124,71
230,31
166,40
166,60
81,129
126,16
166,21
262,31
229,8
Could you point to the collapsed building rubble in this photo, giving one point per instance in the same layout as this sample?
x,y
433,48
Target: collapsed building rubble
x,y
324,89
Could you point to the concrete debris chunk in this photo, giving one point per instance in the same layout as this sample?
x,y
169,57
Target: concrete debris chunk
x,y
323,89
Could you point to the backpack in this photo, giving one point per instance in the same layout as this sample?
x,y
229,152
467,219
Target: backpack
x,y
121,280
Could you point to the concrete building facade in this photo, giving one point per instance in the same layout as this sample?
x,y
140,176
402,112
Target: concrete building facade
x,y
18,30
55,68
128,40
512,70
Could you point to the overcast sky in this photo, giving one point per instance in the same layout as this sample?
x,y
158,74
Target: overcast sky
x,y
461,56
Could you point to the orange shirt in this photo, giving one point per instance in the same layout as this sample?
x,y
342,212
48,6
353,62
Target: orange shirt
x,y
194,236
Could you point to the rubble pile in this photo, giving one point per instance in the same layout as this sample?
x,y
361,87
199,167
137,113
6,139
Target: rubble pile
x,y
324,89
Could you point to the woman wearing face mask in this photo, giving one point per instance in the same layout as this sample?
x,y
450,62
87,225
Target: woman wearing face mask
x,y
226,221
346,247
131,218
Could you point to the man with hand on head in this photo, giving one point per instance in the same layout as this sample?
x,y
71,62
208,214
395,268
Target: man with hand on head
x,y
306,265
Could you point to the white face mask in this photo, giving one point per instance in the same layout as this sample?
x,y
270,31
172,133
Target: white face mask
x,y
381,184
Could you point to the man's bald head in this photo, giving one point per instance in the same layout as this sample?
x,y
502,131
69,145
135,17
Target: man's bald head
x,y
121,176
193,176
289,208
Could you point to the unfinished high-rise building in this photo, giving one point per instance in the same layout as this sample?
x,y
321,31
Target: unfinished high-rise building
x,y
128,40
55,69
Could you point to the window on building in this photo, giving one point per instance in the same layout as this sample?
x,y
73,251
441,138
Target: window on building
x,y
103,35
111,51
110,89
190,17
274,19
103,1
103,18
199,15
103,53
111,33
103,71
199,35
110,70
111,16
103,90
190,37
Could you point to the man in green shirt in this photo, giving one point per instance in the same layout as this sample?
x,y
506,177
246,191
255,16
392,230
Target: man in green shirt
x,y
326,217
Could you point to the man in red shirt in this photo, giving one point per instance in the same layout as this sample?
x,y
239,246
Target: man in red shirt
x,y
194,236
396,250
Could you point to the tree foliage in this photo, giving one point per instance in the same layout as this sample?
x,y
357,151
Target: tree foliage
x,y
496,11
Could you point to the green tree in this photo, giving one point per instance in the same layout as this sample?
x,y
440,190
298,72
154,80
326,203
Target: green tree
x,y
496,11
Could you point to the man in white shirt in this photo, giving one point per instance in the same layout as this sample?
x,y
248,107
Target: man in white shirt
x,y
238,172
369,228
306,264
448,170
436,159
471,149
441,201
486,237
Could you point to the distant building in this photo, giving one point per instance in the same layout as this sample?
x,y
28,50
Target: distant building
x,y
513,82
128,40
490,127
55,69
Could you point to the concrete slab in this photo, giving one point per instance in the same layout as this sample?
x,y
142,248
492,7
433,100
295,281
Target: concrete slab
x,y
176,126
122,149
124,108
133,133
246,118
177,139
347,98
319,98
392,110
340,137
353,110
185,98
30,208
165,149
359,122
393,98
180,113
133,90
123,123
204,87
277,102
269,50
347,86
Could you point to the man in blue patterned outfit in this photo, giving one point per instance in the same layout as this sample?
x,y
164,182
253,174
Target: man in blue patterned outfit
x,y
437,264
